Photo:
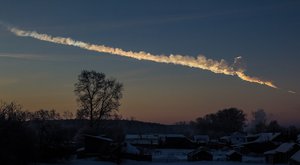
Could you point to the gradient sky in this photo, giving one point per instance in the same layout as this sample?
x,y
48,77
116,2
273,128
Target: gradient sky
x,y
266,34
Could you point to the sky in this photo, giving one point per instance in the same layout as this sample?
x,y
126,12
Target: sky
x,y
39,74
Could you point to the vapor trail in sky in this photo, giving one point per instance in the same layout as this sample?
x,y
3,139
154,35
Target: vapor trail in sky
x,y
200,62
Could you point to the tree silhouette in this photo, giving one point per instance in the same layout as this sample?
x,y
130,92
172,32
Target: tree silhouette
x,y
98,96
225,121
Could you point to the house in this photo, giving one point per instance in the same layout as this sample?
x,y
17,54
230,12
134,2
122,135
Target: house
x,y
99,146
131,152
233,156
234,139
145,140
237,138
201,139
282,153
177,141
160,140
200,153
259,143
295,159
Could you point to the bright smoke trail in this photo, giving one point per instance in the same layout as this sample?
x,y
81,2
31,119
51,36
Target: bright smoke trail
x,y
200,62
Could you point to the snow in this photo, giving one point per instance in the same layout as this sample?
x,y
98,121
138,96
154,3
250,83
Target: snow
x,y
100,137
170,155
144,136
230,152
201,138
264,137
296,156
131,149
270,152
131,162
283,148
80,149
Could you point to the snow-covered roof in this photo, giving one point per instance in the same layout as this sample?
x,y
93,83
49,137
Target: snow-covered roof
x,y
296,157
200,149
283,148
264,137
173,135
201,137
230,152
270,152
131,149
261,137
139,136
131,136
225,138
100,137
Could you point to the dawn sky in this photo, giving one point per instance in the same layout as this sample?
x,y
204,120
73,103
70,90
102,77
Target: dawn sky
x,y
39,74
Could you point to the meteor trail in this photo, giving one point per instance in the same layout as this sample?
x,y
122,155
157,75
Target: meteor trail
x,y
201,62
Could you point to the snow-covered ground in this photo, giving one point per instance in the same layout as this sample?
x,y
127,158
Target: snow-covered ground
x,y
172,157
131,162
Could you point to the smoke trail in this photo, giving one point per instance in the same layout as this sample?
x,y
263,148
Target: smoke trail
x,y
199,62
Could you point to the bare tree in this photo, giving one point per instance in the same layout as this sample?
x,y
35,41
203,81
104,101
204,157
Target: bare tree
x,y
12,112
67,115
44,115
98,96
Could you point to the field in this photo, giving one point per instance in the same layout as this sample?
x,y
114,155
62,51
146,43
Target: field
x,y
131,162
172,157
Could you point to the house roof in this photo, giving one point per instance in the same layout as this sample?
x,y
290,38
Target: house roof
x,y
173,135
283,148
100,138
198,150
143,136
231,152
296,156
261,138
131,149
153,136
201,136
264,137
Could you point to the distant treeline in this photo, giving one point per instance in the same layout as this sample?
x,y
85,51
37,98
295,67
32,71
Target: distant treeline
x,y
48,136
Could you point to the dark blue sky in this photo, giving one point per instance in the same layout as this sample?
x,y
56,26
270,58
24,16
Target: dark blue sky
x,y
266,33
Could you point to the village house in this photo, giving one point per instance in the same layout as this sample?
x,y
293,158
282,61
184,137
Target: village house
x,y
131,152
199,154
295,159
144,140
201,139
233,156
160,140
235,138
177,141
99,146
282,153
259,143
